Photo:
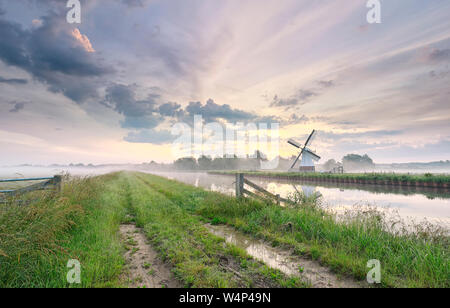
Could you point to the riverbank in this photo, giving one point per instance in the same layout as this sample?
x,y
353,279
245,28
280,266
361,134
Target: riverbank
x,y
386,179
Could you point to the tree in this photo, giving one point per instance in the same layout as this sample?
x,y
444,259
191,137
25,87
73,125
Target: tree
x,y
355,161
186,163
205,162
330,164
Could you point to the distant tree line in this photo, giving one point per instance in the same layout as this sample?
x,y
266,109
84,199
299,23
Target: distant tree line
x,y
350,162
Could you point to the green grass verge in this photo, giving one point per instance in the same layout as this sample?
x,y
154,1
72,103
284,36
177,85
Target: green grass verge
x,y
416,259
38,239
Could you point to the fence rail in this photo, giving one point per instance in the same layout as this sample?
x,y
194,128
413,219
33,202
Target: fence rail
x,y
49,183
241,181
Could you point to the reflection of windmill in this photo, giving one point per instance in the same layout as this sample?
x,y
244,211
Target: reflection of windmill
x,y
308,156
308,191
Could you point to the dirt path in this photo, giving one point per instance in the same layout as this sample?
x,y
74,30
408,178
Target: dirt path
x,y
144,268
317,275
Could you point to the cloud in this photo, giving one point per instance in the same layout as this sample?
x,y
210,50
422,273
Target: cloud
x,y
83,39
304,95
142,122
36,22
283,102
122,99
326,83
138,113
52,55
212,112
150,136
300,98
294,119
136,3
439,74
171,110
440,55
352,136
17,106
13,81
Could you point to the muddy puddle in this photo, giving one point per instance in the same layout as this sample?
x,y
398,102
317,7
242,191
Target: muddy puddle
x,y
317,275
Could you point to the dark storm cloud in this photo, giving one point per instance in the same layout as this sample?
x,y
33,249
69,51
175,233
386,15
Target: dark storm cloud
x,y
53,56
13,81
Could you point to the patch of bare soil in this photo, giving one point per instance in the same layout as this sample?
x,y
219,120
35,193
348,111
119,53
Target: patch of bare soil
x,y
144,268
311,271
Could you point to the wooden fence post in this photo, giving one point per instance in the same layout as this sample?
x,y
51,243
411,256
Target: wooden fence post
x,y
57,181
239,185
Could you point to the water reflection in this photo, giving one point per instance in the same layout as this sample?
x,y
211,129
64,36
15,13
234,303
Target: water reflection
x,y
283,260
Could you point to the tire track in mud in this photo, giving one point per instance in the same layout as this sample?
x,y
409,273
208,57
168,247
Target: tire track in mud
x,y
144,268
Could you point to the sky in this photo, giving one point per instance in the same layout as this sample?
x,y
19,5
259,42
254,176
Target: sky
x,y
110,89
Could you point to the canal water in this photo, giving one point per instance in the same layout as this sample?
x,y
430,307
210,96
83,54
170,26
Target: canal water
x,y
409,204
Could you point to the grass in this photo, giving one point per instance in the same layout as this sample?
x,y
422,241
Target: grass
x,y
388,178
37,240
199,258
82,222
418,258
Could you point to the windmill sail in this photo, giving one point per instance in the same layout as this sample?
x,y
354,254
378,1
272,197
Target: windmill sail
x,y
308,156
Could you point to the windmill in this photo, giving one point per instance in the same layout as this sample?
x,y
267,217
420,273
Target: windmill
x,y
308,156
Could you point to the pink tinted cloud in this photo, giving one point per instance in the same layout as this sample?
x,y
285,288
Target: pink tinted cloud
x,y
83,40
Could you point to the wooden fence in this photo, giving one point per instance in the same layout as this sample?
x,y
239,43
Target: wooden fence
x,y
261,193
47,184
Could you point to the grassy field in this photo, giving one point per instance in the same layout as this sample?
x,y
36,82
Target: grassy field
x,y
82,223
428,179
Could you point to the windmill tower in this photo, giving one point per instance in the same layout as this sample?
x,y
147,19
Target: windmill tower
x,y
307,155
